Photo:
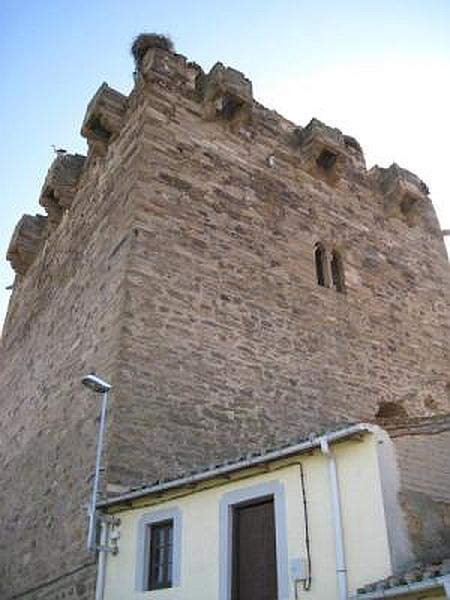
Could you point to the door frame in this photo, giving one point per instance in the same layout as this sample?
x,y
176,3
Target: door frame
x,y
233,524
275,490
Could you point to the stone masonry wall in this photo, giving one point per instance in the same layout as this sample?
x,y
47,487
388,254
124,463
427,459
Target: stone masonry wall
x,y
231,344
78,584
63,322
178,262
424,462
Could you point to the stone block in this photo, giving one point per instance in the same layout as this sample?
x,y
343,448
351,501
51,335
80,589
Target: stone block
x,y
155,57
228,94
405,195
60,185
164,67
26,241
327,153
104,117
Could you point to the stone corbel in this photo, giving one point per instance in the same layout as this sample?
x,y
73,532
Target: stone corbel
x,y
60,185
104,118
228,95
405,195
327,153
27,240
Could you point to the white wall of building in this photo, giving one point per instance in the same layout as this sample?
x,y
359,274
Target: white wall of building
x,y
366,540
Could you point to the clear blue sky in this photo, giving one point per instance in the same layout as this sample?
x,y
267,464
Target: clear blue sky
x,y
379,70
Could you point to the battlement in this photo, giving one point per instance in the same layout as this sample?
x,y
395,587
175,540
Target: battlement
x,y
27,239
228,95
104,118
405,196
56,197
60,186
327,153
225,96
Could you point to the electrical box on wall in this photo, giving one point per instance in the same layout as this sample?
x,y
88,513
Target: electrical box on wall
x,y
299,569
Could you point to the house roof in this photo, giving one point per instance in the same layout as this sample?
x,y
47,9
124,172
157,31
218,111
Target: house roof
x,y
245,461
417,579
403,426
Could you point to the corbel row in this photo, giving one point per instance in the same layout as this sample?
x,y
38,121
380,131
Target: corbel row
x,y
226,96
56,197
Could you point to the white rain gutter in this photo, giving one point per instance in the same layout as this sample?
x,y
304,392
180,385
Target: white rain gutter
x,y
341,568
238,465
409,589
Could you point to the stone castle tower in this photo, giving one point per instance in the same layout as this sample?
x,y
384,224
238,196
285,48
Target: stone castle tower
x,y
238,279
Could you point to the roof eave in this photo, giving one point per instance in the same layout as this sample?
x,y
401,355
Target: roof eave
x,y
408,589
239,465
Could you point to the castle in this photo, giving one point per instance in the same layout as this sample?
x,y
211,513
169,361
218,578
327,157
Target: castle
x,y
238,279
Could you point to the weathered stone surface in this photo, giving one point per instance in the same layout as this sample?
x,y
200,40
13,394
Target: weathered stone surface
x,y
60,185
185,275
76,584
327,153
405,196
104,117
164,68
423,453
63,322
228,94
27,240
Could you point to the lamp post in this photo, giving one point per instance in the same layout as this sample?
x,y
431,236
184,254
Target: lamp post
x,y
98,386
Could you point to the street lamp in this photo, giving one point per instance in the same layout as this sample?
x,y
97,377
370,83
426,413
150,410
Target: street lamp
x,y
98,386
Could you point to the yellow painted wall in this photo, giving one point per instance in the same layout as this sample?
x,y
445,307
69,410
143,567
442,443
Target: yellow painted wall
x,y
366,543
429,595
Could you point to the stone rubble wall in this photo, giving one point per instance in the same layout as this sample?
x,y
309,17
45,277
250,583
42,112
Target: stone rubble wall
x,y
63,322
231,343
76,585
424,463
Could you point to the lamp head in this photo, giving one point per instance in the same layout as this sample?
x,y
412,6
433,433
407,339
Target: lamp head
x,y
95,384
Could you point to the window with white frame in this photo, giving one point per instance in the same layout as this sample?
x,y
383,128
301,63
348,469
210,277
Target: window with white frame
x,y
160,555
159,550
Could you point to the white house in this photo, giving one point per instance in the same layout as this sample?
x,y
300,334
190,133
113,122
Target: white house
x,y
316,520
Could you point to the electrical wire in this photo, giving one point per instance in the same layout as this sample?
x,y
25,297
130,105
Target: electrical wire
x,y
307,581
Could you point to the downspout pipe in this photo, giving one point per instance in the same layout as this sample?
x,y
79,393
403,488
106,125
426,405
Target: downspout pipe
x,y
341,568
101,563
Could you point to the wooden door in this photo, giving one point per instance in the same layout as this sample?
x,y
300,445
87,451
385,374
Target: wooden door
x,y
254,563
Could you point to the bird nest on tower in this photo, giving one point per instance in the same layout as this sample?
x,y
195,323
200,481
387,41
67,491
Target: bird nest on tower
x,y
144,41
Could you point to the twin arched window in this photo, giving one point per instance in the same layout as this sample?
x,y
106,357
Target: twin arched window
x,y
329,268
